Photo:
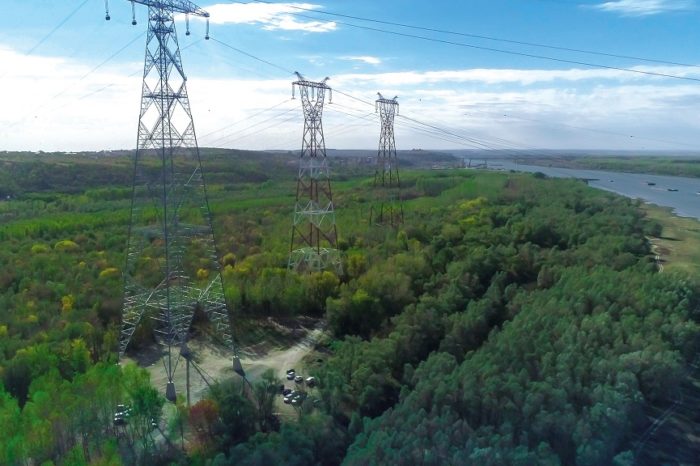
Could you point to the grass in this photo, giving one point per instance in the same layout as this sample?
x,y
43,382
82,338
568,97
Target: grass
x,y
679,243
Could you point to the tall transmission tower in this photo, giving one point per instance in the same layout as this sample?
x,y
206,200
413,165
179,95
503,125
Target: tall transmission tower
x,y
387,208
314,234
172,266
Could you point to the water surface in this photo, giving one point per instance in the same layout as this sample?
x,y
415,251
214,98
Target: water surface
x,y
678,193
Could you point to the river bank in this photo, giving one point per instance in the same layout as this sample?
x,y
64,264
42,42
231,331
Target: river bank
x,y
674,202
681,194
678,245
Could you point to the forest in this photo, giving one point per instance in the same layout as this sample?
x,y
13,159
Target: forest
x,y
511,320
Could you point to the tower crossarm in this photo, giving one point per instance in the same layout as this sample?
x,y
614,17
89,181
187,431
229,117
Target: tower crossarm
x,y
177,6
311,88
314,84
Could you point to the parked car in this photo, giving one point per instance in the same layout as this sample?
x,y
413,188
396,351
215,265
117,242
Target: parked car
x,y
287,391
298,398
290,371
290,376
121,415
299,379
311,381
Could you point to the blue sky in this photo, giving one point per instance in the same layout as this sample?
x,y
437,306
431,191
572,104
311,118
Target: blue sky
x,y
77,87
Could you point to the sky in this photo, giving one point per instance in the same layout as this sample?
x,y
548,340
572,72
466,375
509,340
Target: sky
x,y
468,75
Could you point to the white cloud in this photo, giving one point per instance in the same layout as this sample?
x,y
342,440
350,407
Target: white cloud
x,y
57,104
644,7
272,16
514,76
370,60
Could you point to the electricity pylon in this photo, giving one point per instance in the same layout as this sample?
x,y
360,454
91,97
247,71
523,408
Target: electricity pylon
x,y
172,265
314,234
387,207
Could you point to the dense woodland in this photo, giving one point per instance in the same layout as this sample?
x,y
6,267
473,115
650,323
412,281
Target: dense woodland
x,y
512,320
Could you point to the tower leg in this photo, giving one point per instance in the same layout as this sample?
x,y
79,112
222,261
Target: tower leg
x,y
187,369
170,394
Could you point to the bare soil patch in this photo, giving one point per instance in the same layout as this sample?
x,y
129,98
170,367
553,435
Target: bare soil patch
x,y
277,344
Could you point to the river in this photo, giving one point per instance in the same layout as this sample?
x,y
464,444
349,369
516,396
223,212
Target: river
x,y
678,193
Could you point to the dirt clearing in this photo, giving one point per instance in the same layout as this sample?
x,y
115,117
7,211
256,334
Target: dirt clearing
x,y
266,344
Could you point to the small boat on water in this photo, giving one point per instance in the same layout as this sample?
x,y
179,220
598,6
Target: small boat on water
x,y
651,183
673,190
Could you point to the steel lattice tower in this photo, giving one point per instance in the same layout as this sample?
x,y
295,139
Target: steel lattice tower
x,y
387,208
314,233
172,266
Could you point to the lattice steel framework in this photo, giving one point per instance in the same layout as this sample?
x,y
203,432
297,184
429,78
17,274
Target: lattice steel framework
x,y
314,234
172,265
387,208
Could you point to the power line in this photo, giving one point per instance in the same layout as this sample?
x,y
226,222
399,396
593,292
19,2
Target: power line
x,y
602,131
140,70
229,58
70,86
454,139
427,125
252,56
345,128
471,141
517,146
337,91
352,97
247,118
104,62
263,129
522,54
479,36
507,52
447,132
50,33
420,127
436,135
58,26
235,133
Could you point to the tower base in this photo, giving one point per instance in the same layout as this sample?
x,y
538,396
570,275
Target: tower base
x,y
170,392
315,260
238,367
